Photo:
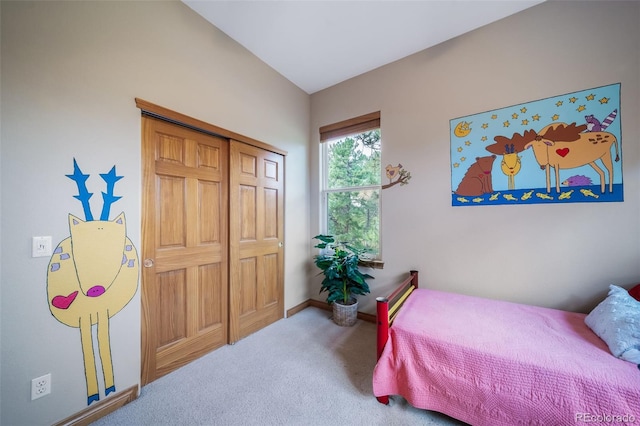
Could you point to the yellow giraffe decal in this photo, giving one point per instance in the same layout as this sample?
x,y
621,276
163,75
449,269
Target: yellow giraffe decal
x,y
511,166
92,275
509,148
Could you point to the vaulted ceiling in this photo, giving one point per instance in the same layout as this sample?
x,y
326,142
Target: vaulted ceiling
x,y
316,44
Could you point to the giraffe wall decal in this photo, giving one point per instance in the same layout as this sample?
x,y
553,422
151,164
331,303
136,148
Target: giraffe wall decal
x,y
92,275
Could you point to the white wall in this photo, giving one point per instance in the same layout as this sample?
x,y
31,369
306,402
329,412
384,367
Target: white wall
x,y
70,73
551,255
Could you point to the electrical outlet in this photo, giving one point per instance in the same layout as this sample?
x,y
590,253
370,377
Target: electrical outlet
x,y
41,386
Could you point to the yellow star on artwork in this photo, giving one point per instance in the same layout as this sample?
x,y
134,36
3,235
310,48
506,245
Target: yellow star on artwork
x,y
514,116
559,103
456,165
536,117
506,124
523,110
581,108
484,138
590,97
485,125
494,116
555,117
459,149
525,122
604,100
573,100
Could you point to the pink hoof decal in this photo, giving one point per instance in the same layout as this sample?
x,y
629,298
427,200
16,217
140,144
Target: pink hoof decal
x,y
95,291
63,302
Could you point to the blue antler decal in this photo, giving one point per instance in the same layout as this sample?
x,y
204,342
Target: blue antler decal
x,y
108,198
83,194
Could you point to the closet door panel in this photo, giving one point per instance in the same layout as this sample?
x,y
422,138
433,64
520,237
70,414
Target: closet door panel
x,y
256,256
185,246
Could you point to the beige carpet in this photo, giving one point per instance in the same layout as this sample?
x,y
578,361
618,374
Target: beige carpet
x,y
303,370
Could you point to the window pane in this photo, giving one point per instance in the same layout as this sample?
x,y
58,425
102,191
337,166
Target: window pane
x,y
354,160
354,216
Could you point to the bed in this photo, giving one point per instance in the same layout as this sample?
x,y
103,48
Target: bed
x,y
490,362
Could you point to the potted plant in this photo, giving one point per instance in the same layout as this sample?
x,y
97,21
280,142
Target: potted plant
x,y
342,278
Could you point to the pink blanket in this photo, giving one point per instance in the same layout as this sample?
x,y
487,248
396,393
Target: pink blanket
x,y
489,362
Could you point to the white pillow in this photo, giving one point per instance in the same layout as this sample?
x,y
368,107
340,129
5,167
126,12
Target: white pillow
x,y
616,320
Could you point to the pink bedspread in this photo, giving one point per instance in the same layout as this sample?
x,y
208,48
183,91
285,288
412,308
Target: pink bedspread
x,y
489,362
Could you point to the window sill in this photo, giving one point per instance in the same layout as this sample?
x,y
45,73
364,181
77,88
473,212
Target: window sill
x,y
375,264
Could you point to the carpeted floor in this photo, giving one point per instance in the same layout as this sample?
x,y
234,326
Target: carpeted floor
x,y
303,370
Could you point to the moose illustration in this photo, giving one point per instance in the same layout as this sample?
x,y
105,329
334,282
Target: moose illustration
x,y
92,275
562,146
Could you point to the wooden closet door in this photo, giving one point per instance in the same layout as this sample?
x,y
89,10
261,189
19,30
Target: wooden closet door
x,y
185,246
256,235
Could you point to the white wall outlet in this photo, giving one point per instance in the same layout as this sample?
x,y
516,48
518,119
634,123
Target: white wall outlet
x,y
41,386
41,247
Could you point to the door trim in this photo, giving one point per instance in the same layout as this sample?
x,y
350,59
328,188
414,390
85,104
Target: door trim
x,y
174,117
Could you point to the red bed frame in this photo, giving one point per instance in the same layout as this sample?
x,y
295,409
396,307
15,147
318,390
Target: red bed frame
x,y
386,310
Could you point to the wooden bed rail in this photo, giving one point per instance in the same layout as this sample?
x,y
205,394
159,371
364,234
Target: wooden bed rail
x,y
386,310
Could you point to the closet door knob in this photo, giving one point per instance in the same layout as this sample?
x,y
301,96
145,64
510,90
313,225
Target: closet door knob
x,y
148,263
280,244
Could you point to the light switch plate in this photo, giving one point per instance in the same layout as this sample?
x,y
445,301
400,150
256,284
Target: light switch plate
x,y
41,247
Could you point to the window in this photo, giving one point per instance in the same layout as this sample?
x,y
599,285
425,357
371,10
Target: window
x,y
350,182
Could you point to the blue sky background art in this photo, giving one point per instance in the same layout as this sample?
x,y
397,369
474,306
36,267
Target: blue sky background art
x,y
470,135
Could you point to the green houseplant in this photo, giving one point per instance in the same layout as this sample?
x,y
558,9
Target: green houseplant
x,y
343,279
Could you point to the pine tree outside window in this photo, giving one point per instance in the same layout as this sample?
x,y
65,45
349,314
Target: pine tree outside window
x,y
350,182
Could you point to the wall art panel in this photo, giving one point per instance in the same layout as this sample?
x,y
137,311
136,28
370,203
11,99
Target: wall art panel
x,y
561,149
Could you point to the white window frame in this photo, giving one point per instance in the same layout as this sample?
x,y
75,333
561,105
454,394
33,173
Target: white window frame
x,y
359,128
